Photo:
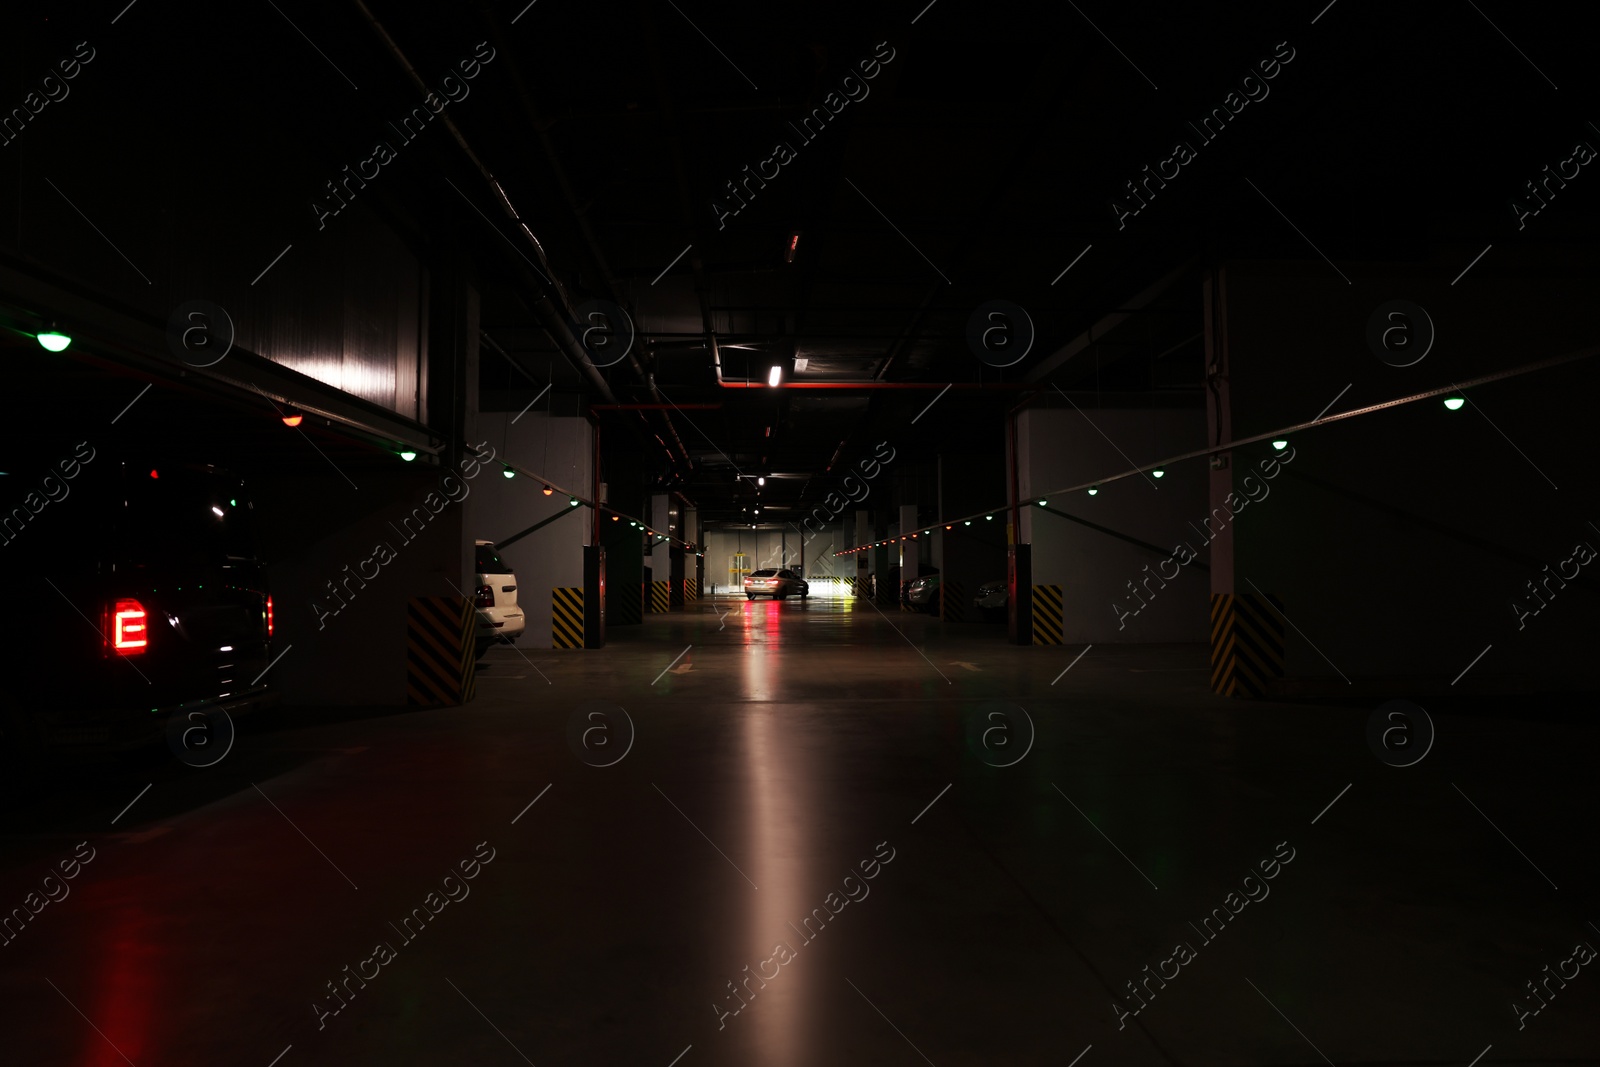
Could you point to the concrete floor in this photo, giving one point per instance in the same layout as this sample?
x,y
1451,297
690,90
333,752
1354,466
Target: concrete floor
x,y
788,746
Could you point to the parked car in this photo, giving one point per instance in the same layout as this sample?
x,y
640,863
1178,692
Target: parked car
x,y
992,597
923,593
143,591
776,584
499,618
923,571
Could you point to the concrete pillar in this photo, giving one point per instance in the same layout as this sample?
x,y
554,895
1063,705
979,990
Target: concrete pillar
x,y
863,534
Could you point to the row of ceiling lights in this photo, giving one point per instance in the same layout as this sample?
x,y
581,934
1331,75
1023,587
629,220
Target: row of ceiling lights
x,y
1454,404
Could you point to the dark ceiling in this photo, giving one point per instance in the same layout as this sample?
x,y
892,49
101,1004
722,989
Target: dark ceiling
x,y
978,163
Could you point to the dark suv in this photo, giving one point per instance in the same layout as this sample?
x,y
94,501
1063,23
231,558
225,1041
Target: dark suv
x,y
141,594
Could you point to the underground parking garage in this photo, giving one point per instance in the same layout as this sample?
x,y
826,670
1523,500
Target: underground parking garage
x,y
520,522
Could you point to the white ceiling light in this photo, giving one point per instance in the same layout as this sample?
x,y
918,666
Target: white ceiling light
x,y
800,364
774,375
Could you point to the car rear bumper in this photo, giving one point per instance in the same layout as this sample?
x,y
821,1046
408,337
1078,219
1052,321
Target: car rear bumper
x,y
501,625
120,728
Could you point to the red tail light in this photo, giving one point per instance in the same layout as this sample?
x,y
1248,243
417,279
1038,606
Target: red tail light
x,y
126,634
485,596
269,614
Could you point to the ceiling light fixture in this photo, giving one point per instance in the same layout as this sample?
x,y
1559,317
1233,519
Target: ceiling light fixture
x,y
547,490
292,417
508,472
408,455
1280,444
1157,473
53,340
572,502
1093,490
774,376
1454,403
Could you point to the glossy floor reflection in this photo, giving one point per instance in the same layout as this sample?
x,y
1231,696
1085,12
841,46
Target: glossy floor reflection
x,y
807,853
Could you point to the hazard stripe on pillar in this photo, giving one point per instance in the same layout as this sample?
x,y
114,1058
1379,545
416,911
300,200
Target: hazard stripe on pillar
x,y
952,601
1246,644
1047,615
566,617
691,589
441,665
660,597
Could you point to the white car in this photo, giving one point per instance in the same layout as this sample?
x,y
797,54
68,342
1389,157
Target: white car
x,y
499,618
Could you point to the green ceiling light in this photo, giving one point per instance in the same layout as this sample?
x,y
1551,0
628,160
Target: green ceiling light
x,y
1042,503
1157,473
53,340
509,473
572,502
408,455
989,518
1280,444
1454,403
969,522
1094,489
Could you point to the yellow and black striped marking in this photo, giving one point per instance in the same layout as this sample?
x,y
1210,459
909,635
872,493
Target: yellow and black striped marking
x,y
691,589
660,597
952,601
1246,644
624,606
441,646
1047,615
566,617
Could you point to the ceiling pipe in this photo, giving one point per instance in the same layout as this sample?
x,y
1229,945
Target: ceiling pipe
x,y
552,306
590,240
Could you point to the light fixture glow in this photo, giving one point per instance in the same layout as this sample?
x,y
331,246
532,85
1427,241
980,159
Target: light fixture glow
x,y
969,522
292,418
408,455
573,501
1093,490
988,518
1454,403
509,473
1042,503
761,481
1280,444
548,490
774,375
1157,473
216,511
53,340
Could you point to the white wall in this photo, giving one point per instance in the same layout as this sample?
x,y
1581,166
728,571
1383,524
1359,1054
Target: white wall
x,y
1063,447
768,548
560,449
